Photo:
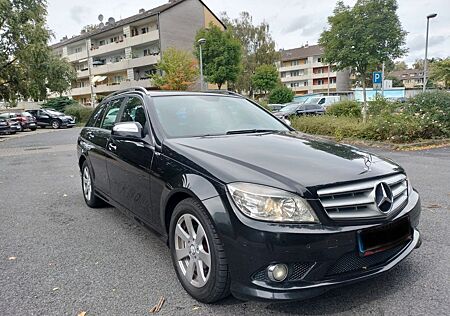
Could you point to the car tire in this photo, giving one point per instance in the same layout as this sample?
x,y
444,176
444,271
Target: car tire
x,y
55,124
87,186
33,129
189,254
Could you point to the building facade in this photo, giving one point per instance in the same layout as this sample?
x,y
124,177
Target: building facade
x,y
123,54
303,70
411,78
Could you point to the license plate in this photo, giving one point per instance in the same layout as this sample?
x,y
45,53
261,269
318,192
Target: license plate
x,y
378,239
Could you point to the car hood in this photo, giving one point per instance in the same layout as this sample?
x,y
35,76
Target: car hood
x,y
290,160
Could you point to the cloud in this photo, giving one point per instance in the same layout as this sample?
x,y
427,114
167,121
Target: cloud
x,y
77,13
417,43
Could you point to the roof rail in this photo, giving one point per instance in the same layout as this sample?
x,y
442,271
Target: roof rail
x,y
223,92
128,90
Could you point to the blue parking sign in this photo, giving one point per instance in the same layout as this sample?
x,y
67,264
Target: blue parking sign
x,y
377,77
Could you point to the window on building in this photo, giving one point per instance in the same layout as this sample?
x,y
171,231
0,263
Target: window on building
x,y
283,75
144,30
78,49
319,82
305,83
319,59
295,73
294,63
332,80
134,31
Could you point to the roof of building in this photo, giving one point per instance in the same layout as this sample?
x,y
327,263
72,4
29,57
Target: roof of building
x,y
128,20
410,73
301,52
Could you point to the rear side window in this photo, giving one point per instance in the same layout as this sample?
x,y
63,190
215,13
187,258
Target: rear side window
x,y
109,119
134,111
94,120
322,101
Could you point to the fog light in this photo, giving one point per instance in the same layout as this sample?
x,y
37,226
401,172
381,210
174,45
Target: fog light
x,y
277,272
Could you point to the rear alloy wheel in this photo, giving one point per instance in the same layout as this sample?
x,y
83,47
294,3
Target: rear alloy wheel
x,y
88,187
197,253
56,124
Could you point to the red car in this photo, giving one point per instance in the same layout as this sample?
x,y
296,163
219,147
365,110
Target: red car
x,y
26,120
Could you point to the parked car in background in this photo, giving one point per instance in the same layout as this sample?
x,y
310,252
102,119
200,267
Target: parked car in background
x,y
323,101
274,107
52,118
24,120
299,109
4,127
14,125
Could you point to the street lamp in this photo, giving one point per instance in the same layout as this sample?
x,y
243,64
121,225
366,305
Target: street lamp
x,y
425,62
201,42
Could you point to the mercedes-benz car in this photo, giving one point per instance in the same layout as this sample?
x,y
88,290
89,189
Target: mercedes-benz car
x,y
246,204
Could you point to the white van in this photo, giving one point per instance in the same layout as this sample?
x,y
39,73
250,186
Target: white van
x,y
323,101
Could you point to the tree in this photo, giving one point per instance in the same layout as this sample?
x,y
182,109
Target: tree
x,y
418,64
25,58
281,95
258,48
400,65
178,70
354,39
440,72
265,78
221,55
60,74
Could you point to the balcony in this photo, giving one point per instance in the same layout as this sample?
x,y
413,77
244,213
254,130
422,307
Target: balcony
x,y
82,73
126,42
323,86
323,75
77,56
296,78
80,91
296,67
125,64
301,88
109,88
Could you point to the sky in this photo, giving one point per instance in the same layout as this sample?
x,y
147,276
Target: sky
x,y
292,22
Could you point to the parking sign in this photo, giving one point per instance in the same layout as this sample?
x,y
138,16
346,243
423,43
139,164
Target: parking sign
x,y
377,77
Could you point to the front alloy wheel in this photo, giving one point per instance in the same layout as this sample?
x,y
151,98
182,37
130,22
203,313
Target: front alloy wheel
x,y
192,250
56,124
198,254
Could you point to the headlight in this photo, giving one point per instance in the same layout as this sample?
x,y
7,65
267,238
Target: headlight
x,y
270,204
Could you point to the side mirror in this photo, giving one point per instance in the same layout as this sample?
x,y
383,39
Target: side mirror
x,y
127,130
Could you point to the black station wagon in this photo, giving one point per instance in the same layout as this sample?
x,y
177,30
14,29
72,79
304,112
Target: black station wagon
x,y
246,204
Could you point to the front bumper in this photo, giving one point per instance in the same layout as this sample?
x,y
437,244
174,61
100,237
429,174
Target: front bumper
x,y
319,258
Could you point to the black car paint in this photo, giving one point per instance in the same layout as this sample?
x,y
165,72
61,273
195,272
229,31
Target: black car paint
x,y
146,178
300,110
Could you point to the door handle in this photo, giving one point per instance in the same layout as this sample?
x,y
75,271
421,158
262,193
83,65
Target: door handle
x,y
112,147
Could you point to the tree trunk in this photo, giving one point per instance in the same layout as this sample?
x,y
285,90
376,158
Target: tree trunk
x,y
219,85
364,108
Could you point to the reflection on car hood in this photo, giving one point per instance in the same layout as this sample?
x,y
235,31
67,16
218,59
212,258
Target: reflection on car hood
x,y
285,160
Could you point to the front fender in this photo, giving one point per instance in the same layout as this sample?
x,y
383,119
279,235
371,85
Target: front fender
x,y
193,185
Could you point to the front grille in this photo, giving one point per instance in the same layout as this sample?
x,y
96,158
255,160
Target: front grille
x,y
352,262
357,200
297,271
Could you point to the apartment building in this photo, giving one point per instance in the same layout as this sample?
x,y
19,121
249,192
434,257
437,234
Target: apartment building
x,y
122,54
303,70
411,78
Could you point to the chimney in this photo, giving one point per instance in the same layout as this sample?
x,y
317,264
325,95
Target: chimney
x,y
306,45
142,11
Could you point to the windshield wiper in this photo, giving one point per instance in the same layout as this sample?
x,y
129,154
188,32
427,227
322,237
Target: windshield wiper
x,y
250,131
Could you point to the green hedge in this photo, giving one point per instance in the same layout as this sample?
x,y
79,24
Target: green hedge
x,y
345,108
82,113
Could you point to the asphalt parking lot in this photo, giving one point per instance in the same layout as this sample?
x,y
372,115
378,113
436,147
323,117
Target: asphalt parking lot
x,y
58,257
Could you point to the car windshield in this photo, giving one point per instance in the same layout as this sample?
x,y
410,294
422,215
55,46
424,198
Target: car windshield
x,y
53,112
194,115
313,100
289,108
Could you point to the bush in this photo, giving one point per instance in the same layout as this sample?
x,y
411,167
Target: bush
x,y
381,106
433,108
345,108
281,95
336,126
82,113
59,103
